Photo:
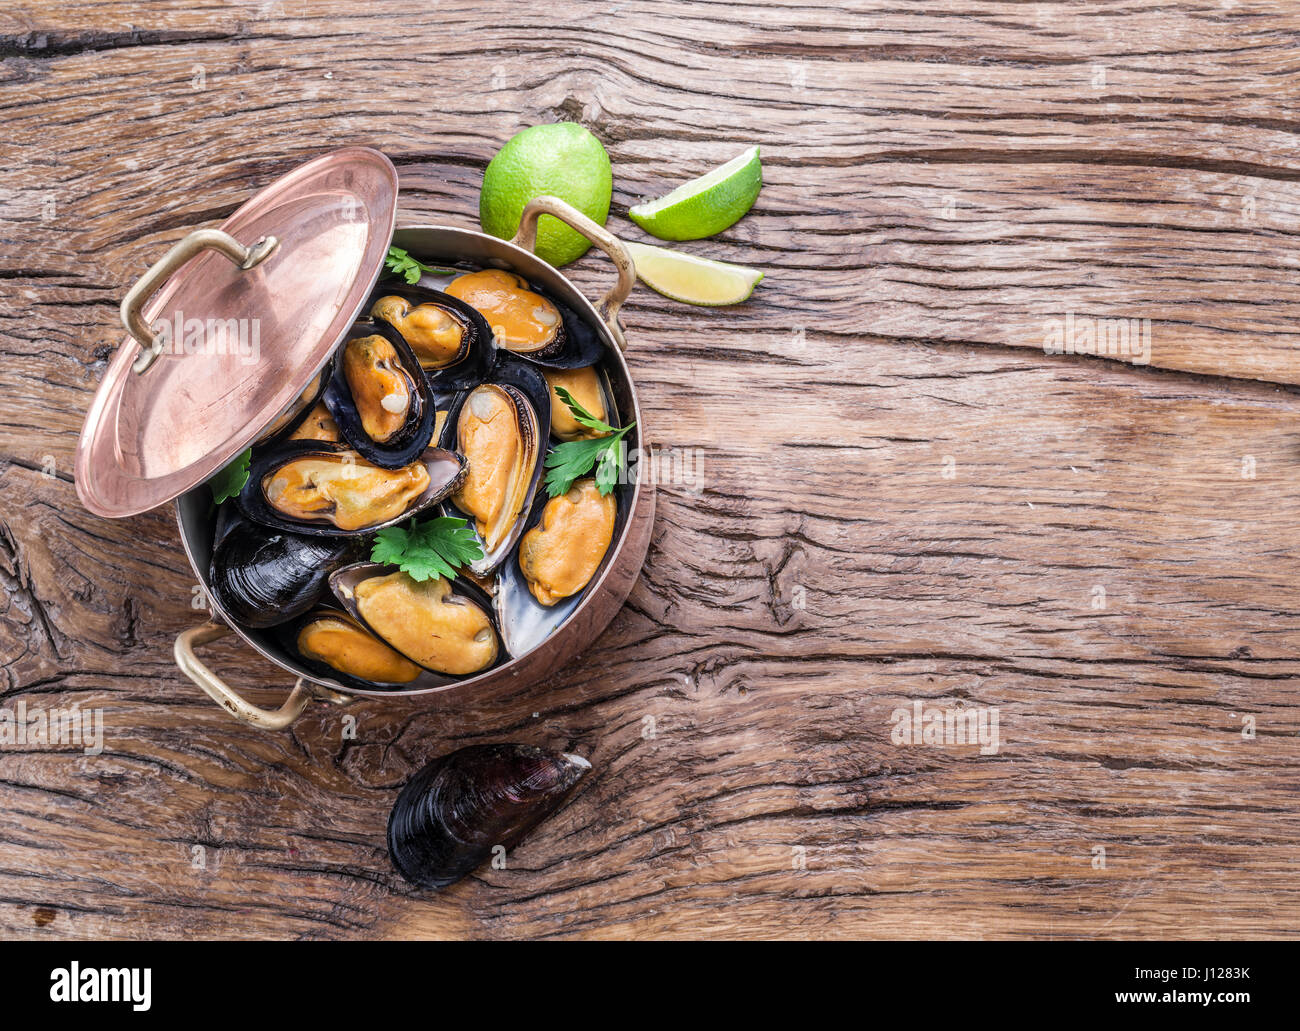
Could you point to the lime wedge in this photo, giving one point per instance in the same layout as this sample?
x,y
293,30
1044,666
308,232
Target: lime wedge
x,y
704,206
692,280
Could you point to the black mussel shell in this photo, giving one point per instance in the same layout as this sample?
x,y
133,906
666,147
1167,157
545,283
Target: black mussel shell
x,y
414,437
582,344
473,365
343,582
449,817
446,471
228,518
262,579
508,371
442,402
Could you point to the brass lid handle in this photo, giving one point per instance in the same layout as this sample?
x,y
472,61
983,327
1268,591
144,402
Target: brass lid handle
x,y
613,300
145,287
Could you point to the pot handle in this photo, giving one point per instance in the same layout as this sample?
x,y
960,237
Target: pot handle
x,y
613,300
161,270
229,699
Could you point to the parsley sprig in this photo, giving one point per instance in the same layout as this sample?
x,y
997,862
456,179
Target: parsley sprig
x,y
606,454
230,480
435,547
401,263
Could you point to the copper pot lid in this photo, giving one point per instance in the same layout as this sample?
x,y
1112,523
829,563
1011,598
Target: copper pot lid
x,y
238,332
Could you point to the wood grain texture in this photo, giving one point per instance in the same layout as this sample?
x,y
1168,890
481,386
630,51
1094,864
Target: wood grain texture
x,y
904,499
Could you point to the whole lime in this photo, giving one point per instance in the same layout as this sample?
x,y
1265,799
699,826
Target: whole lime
x,y
562,159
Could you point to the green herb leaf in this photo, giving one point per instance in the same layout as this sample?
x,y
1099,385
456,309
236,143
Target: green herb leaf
x,y
401,263
584,417
566,462
609,467
433,548
606,454
230,481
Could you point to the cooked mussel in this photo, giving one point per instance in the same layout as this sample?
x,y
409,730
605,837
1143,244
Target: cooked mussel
x,y
442,626
564,546
501,428
261,580
522,320
527,322
382,392
586,386
313,487
379,397
497,433
333,642
297,408
561,554
457,809
449,338
229,518
318,424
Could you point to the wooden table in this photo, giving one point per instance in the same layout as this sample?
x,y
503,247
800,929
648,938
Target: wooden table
x,y
904,500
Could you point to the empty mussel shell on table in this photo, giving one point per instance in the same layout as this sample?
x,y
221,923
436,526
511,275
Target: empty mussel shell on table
x,y
457,809
562,550
528,322
317,488
379,397
501,428
444,626
263,579
449,338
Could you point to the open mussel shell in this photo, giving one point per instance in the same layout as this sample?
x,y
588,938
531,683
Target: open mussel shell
x,y
526,392
524,621
445,372
333,644
457,809
575,344
446,627
354,412
335,471
262,579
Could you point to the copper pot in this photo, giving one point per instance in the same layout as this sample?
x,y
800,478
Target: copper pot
x,y
603,597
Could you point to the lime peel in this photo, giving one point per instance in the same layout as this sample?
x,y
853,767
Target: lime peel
x,y
704,206
692,280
